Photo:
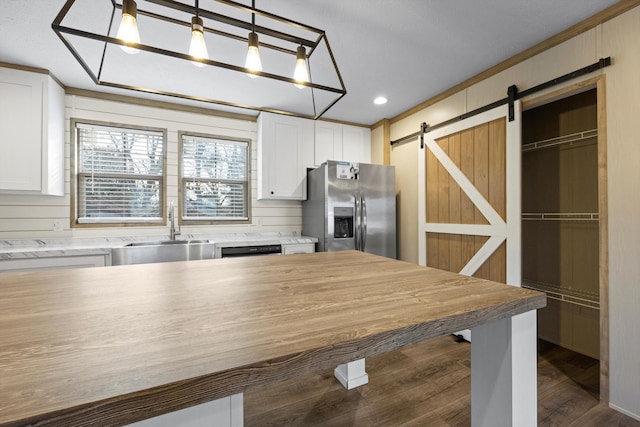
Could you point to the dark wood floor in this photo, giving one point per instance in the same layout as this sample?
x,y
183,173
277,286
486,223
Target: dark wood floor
x,y
428,384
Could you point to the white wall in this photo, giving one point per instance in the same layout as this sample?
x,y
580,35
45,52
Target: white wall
x,y
620,40
617,38
39,216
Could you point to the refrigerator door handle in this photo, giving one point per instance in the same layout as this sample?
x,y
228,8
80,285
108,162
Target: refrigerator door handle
x,y
363,232
356,233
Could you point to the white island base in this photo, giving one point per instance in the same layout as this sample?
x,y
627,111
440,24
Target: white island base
x,y
227,412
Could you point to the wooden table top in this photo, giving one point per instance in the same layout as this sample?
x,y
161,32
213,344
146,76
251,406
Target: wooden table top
x,y
113,345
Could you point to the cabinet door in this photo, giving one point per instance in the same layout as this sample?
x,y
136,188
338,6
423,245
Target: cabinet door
x,y
298,248
34,264
328,142
20,130
283,156
356,144
31,133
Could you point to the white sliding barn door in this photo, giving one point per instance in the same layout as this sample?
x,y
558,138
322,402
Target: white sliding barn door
x,y
469,189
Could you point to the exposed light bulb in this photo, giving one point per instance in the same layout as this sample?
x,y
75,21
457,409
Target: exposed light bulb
x,y
198,48
128,29
301,74
253,55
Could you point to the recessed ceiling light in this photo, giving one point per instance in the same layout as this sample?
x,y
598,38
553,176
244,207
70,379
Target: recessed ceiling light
x,y
380,100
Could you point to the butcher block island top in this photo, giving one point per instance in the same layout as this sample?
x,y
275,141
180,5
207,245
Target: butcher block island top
x,y
111,346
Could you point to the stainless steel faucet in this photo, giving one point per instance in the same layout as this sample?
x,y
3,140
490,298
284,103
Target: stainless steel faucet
x,y
172,225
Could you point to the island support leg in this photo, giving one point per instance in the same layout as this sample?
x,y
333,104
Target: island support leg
x,y
503,372
352,374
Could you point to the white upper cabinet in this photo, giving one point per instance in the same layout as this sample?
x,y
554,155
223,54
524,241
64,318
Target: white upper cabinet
x,y
340,142
328,142
288,146
356,144
31,133
285,151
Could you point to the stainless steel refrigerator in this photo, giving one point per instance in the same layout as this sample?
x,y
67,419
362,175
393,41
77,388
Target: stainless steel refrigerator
x,y
351,206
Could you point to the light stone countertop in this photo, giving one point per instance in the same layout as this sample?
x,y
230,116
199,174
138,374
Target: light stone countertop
x,y
44,248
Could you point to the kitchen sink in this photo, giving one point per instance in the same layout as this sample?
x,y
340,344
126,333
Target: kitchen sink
x,y
167,242
162,251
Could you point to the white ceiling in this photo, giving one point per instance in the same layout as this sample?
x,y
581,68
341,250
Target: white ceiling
x,y
406,50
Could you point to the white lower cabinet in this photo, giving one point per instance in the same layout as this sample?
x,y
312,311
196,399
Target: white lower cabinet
x,y
298,248
35,264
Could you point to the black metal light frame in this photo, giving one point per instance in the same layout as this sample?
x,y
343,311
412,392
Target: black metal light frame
x,y
340,92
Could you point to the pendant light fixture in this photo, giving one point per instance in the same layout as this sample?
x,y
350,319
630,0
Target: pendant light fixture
x,y
236,54
198,48
253,55
301,74
128,29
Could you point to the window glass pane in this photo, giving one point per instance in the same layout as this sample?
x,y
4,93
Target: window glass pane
x,y
211,200
215,178
120,174
214,159
119,198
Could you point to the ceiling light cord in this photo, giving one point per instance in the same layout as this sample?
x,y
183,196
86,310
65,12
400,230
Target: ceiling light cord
x,y
253,62
253,16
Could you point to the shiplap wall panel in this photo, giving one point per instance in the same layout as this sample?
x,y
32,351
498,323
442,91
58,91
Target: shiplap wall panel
x,y
19,211
36,216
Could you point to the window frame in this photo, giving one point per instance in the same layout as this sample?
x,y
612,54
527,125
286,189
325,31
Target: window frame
x,y
188,221
75,177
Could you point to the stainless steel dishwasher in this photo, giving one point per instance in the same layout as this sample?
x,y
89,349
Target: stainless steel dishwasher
x,y
253,250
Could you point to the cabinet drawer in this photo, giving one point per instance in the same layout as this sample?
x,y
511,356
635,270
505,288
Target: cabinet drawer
x,y
298,248
35,264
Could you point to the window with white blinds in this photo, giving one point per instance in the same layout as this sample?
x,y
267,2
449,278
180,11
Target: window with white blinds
x,y
120,174
215,179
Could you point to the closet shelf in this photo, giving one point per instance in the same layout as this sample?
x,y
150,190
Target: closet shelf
x,y
561,140
572,296
560,216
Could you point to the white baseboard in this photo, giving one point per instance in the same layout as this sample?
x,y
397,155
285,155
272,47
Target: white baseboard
x,y
624,411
